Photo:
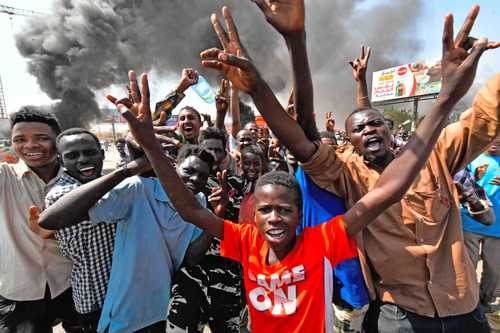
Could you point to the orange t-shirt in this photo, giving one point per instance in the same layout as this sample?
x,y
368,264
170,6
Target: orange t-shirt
x,y
293,295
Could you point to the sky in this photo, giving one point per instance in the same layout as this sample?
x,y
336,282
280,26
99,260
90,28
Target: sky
x,y
20,88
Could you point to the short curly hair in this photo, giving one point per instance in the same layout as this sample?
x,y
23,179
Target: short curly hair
x,y
195,150
193,110
255,149
32,114
283,179
75,131
213,133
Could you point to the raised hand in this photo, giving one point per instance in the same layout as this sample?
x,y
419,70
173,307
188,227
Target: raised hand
x,y
162,120
286,16
34,216
360,64
232,60
206,118
138,114
330,122
189,77
459,66
463,39
230,40
221,103
219,198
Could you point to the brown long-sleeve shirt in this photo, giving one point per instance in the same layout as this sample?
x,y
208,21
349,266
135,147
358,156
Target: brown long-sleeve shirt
x,y
413,255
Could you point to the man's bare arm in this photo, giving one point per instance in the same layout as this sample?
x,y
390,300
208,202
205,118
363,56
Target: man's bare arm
x,y
242,73
73,207
139,119
359,67
288,18
221,105
234,108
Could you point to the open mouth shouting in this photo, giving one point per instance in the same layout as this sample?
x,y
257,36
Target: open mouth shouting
x,y
374,143
87,171
188,130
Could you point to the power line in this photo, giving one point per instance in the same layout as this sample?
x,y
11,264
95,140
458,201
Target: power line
x,y
11,11
3,108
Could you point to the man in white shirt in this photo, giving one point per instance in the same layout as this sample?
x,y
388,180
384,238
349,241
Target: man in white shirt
x,y
34,276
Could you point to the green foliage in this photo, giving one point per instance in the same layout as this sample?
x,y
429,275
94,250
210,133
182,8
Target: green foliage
x,y
398,116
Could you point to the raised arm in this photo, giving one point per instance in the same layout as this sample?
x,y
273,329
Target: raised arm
x,y
329,122
243,75
189,77
140,123
73,207
458,69
288,18
221,105
234,101
218,199
359,67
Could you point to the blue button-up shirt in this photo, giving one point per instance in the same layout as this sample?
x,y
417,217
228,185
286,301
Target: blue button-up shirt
x,y
151,240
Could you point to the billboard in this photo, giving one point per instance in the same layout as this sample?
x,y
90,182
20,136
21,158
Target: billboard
x,y
416,79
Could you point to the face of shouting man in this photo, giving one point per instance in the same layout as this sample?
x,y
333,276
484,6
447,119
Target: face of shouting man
x,y
370,136
189,124
81,156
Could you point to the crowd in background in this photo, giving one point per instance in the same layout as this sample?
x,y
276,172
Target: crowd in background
x,y
253,226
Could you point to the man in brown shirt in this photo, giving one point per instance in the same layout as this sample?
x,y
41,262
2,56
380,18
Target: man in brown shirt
x,y
415,249
413,256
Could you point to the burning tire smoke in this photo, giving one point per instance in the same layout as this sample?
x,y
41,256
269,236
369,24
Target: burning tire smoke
x,y
85,46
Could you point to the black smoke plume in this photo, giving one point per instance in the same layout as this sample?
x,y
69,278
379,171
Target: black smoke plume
x,y
85,46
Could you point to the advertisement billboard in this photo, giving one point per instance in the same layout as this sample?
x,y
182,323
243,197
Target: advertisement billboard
x,y
416,79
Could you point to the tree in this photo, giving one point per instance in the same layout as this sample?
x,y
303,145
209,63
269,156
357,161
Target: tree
x,y
396,115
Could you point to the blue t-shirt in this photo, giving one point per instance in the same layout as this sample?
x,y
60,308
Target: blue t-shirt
x,y
320,206
150,243
492,192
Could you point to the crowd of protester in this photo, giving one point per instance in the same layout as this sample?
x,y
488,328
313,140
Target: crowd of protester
x,y
279,228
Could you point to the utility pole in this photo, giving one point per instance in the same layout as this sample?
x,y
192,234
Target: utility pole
x,y
3,108
11,11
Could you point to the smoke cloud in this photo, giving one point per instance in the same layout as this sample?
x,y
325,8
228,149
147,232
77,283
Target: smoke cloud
x,y
86,46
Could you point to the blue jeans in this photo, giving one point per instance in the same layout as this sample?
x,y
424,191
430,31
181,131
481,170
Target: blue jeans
x,y
390,318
